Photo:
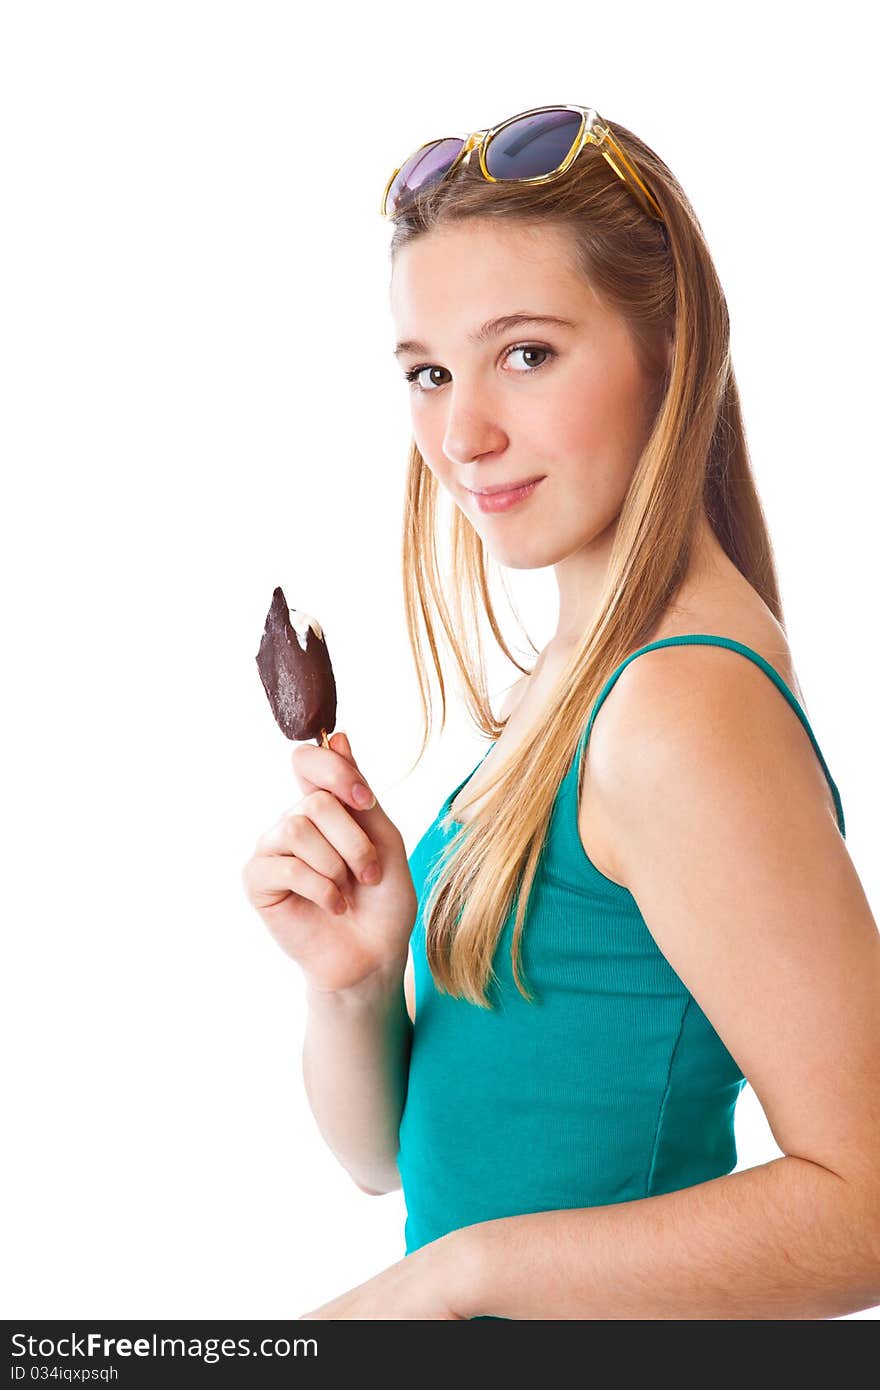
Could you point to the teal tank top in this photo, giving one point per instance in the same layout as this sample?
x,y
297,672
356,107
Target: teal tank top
x,y
611,1087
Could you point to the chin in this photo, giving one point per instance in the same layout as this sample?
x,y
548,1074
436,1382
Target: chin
x,y
520,557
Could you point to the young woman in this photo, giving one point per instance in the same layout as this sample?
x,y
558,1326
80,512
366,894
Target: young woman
x,y
540,1023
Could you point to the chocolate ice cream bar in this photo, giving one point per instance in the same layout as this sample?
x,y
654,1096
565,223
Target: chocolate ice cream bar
x,y
295,669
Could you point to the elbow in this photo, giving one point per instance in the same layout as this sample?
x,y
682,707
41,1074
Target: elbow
x,y
392,1186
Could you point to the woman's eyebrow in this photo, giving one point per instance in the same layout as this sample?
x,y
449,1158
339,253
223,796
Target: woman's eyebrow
x,y
492,327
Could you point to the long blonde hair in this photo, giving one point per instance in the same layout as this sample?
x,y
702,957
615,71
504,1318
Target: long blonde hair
x,y
695,459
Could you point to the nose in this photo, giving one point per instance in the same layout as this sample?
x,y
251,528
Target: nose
x,y
471,430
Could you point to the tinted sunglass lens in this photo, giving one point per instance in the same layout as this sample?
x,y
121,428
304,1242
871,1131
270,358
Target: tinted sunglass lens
x,y
421,171
532,145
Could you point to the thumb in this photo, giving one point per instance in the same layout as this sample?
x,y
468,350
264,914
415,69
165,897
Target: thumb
x,y
340,744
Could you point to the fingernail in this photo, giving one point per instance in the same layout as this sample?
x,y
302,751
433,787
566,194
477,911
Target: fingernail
x,y
372,873
363,796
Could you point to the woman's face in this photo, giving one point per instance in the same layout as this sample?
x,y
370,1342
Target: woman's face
x,y
570,404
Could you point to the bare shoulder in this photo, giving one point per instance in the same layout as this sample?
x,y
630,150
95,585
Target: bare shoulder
x,y
693,721
725,835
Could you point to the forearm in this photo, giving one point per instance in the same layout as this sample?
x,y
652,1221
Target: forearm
x,y
355,1070
787,1239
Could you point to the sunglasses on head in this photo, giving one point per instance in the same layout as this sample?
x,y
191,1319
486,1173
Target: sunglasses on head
x,y
534,147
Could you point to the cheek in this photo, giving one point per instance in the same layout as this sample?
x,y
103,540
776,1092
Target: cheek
x,y
601,419
595,446
583,428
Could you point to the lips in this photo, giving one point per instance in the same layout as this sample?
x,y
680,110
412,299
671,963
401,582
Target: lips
x,y
493,502
504,487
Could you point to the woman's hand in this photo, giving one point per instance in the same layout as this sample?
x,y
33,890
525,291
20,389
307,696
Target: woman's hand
x,y
433,1283
306,877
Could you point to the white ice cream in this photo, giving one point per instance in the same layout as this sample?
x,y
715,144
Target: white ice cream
x,y
301,621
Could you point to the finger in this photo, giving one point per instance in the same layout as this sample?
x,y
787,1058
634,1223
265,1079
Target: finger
x,y
271,877
319,767
340,744
324,833
295,835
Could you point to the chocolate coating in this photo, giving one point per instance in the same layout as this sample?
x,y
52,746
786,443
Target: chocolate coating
x,y
295,669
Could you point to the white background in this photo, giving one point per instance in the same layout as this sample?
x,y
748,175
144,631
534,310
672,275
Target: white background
x,y
199,403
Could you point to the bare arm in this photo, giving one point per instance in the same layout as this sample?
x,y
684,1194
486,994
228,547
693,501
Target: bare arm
x,y
356,1062
786,1239
724,836
355,1071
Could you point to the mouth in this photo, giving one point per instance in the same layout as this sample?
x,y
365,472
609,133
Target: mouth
x,y
501,499
505,487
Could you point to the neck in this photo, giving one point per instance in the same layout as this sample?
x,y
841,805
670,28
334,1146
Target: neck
x,y
582,577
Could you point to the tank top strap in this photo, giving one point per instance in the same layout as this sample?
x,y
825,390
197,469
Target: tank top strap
x,y
710,639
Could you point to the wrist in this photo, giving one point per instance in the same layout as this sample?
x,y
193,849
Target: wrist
x,y
378,988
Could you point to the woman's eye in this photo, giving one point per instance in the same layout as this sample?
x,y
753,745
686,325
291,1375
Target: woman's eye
x,y
413,376
547,353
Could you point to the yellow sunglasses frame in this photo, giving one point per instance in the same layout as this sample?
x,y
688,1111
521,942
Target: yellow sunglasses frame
x,y
593,131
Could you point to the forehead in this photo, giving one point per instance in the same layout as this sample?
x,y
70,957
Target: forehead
x,y
476,269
